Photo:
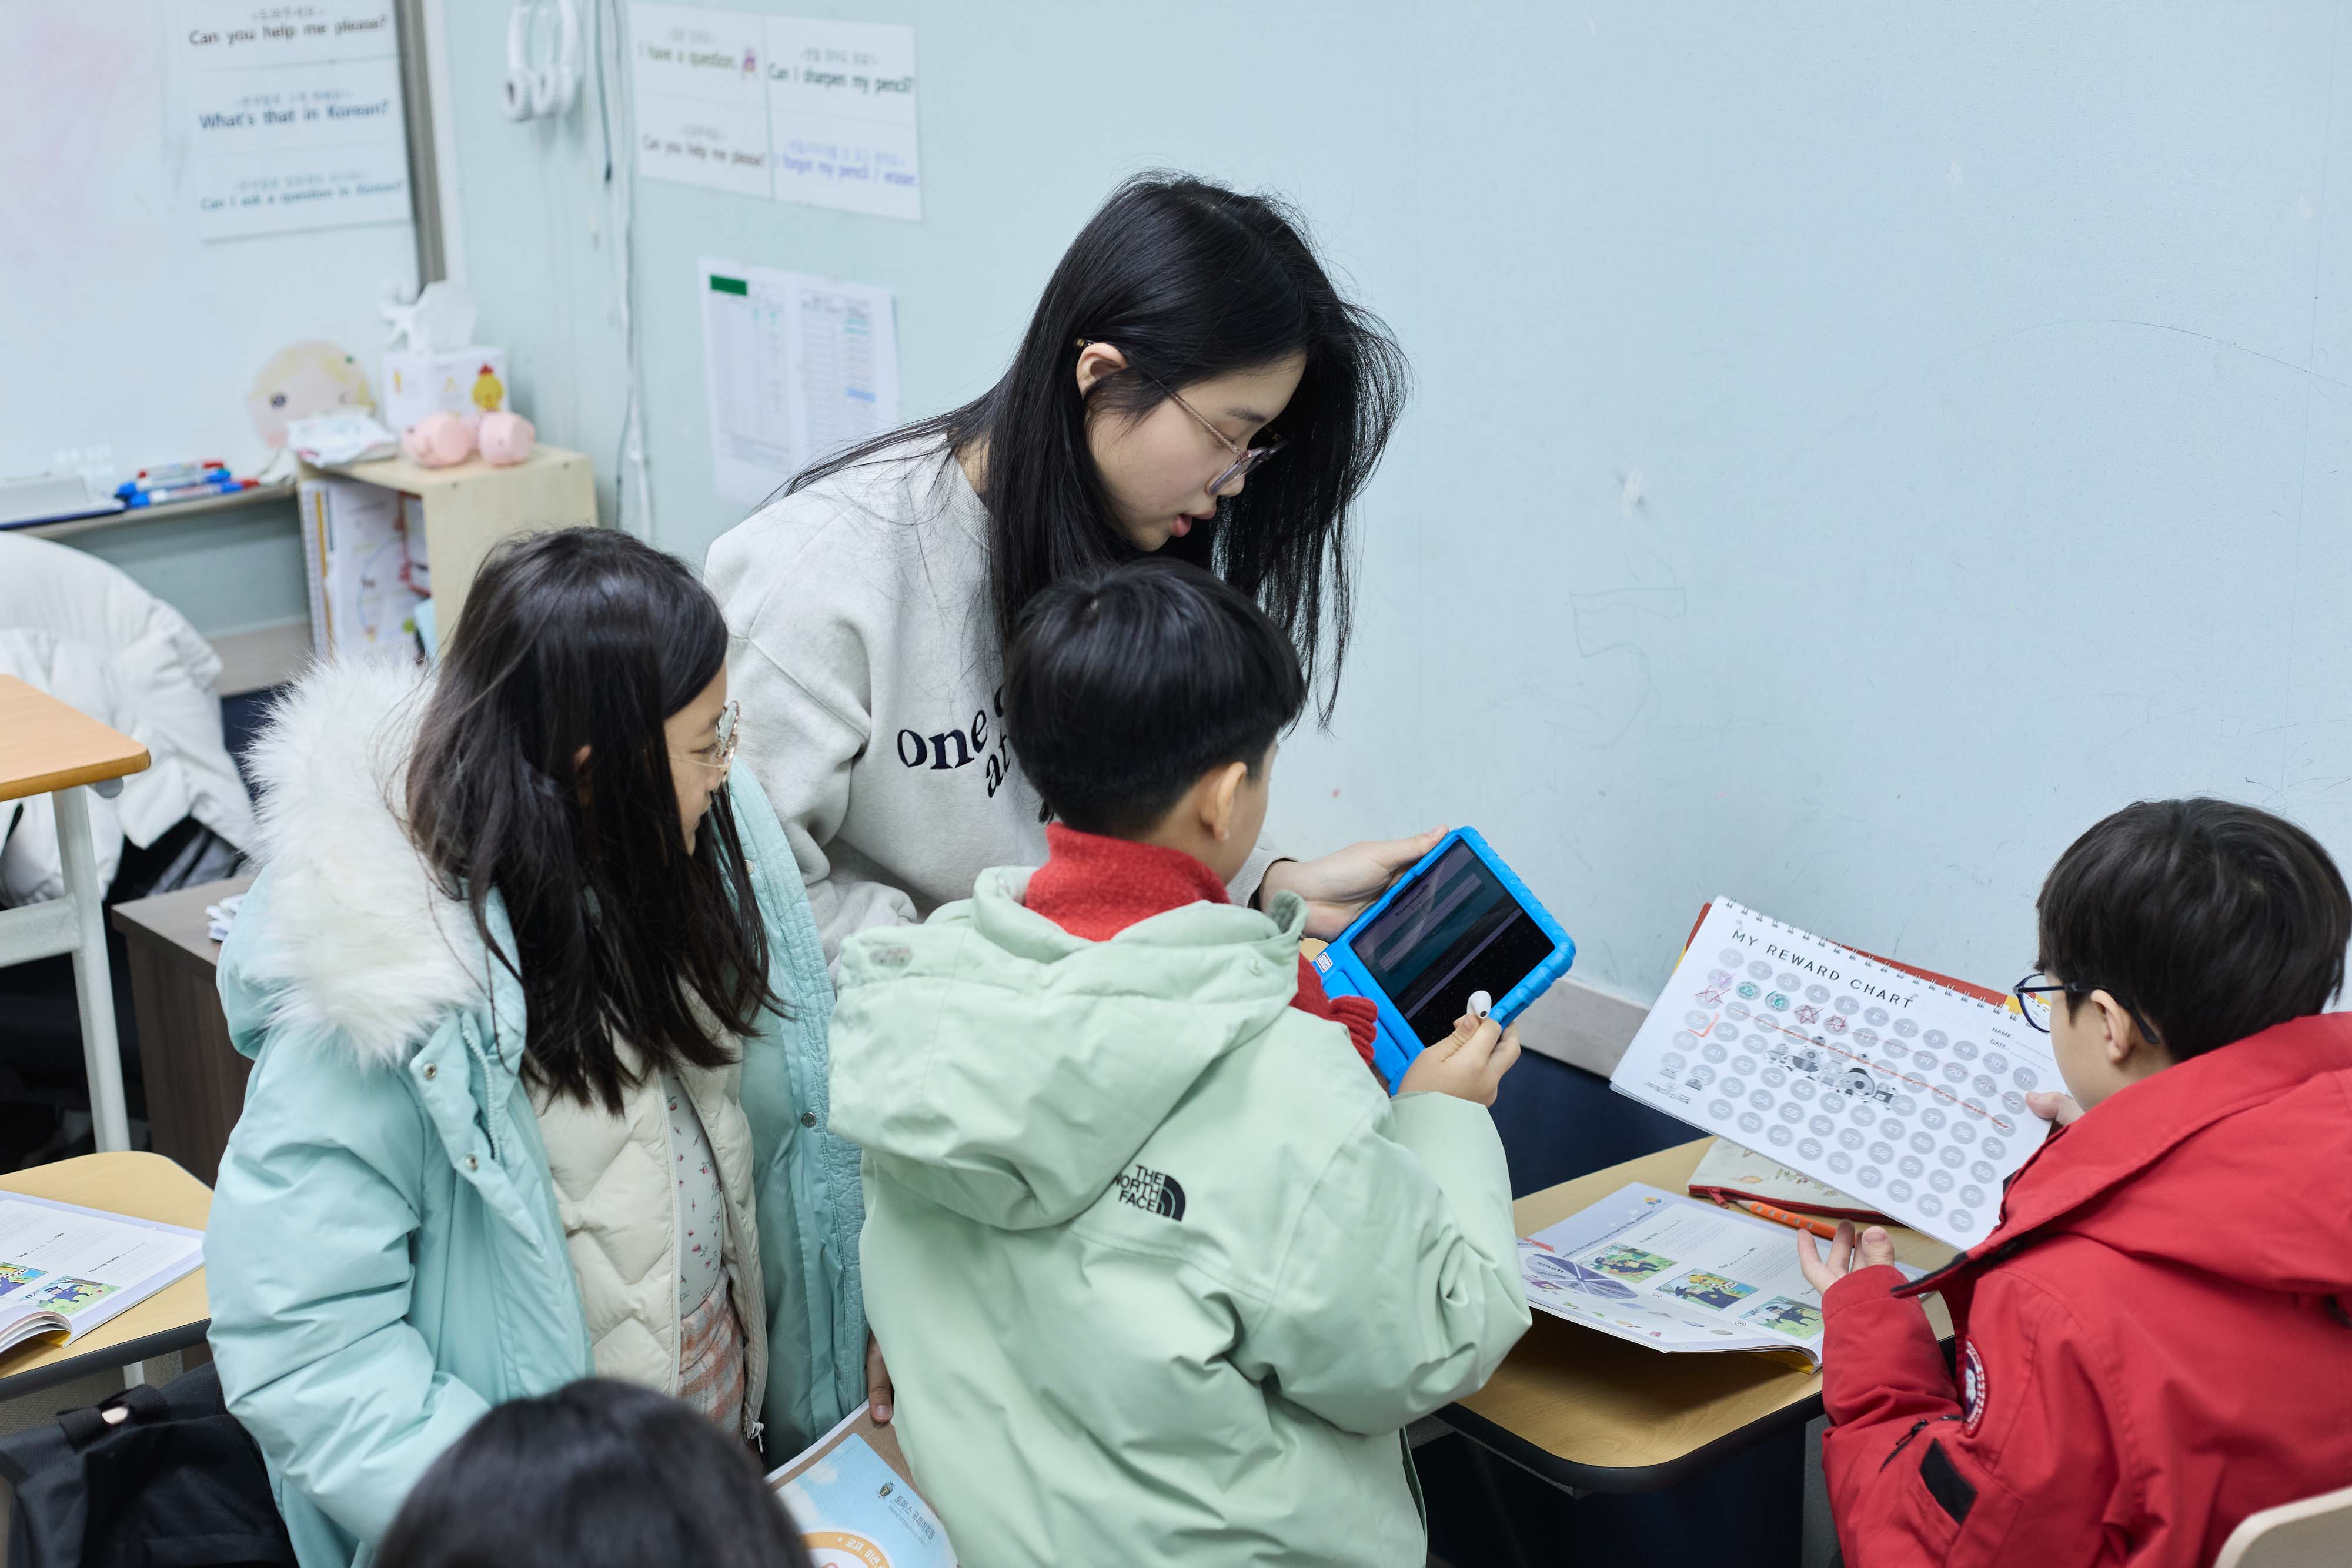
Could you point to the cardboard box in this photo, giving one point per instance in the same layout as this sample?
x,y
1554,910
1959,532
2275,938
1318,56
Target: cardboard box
x,y
418,382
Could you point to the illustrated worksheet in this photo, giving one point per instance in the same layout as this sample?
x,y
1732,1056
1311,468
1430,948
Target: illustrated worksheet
x,y
1907,1094
1675,1274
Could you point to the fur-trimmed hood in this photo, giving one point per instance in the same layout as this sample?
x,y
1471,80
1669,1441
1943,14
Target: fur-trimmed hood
x,y
352,940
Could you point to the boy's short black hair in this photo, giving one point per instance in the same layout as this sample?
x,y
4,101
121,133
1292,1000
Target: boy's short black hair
x,y
2210,920
1122,687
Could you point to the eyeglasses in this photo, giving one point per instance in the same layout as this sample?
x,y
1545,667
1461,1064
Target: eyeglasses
x,y
719,755
1246,459
2038,984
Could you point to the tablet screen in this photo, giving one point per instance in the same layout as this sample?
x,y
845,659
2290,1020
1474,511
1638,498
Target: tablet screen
x,y
1453,930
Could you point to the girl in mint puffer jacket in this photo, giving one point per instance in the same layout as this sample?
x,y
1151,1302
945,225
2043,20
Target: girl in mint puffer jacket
x,y
522,963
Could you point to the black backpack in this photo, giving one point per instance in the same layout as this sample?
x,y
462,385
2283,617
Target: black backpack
x,y
153,1477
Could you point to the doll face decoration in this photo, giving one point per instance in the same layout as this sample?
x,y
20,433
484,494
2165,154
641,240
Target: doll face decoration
x,y
302,380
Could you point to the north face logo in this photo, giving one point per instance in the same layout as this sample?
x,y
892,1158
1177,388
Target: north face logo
x,y
1152,1191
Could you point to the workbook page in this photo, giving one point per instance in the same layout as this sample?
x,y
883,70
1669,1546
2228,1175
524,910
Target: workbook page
x,y
1668,1270
83,1265
1906,1094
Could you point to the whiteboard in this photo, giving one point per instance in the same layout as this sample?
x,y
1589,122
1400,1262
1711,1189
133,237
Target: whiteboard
x,y
1855,447
147,278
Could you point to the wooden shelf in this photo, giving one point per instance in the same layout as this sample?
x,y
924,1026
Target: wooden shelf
x,y
168,513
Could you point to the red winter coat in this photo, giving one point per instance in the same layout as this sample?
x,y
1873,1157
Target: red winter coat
x,y
2155,1343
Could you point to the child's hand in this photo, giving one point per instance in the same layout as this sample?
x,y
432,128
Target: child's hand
x,y
2051,1107
1469,1064
1846,1254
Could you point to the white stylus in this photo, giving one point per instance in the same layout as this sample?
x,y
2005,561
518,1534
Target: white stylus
x,y
1481,1004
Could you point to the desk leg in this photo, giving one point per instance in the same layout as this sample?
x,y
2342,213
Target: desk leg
x,y
134,1374
101,1050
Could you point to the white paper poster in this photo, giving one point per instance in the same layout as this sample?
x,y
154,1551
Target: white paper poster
x,y
703,104
1905,1094
841,115
801,108
292,114
799,368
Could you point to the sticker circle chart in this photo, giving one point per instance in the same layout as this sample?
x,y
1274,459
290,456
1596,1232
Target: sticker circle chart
x,y
1868,1175
1963,1220
1810,1148
1840,1162
1931,1205
1985,1171
1849,1139
1735,1086
1882,1153
2024,1077
1721,1110
1941,1181
1905,1028
1972,1196
1762,1098
1966,1049
1899,1190
1673,1062
1777,1135
1751,1122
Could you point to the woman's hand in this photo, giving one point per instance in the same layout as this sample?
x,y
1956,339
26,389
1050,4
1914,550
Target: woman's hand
x,y
1339,886
1846,1254
878,1381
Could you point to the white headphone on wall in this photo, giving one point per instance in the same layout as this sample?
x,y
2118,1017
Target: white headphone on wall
x,y
548,87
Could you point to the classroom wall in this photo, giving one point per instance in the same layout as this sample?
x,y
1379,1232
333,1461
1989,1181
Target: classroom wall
x,y
1853,449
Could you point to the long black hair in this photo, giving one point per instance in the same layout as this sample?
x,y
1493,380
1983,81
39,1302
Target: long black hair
x,y
1189,281
598,1474
587,638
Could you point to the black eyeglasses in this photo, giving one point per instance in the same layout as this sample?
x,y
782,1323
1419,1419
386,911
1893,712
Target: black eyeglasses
x,y
1244,459
2038,984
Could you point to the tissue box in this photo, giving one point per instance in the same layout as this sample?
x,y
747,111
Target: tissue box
x,y
418,382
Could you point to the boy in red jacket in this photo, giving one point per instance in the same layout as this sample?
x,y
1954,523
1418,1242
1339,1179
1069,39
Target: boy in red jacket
x,y
2157,1341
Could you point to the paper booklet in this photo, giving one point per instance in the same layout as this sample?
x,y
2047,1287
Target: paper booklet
x,y
1727,1171
1675,1274
65,1271
853,1498
1904,1093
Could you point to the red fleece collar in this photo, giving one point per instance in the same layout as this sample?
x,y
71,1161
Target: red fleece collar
x,y
1094,887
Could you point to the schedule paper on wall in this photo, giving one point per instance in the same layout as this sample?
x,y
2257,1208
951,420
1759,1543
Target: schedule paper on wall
x,y
799,369
1904,1094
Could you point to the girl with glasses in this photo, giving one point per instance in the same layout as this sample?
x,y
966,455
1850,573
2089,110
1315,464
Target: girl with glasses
x,y
538,1016
1192,384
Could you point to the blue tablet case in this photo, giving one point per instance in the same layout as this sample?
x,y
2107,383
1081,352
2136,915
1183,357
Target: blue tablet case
x,y
1346,973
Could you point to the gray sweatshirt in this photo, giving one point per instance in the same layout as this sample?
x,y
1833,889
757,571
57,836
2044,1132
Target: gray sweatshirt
x,y
866,660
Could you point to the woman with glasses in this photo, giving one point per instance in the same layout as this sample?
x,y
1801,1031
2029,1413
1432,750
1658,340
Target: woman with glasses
x,y
1192,384
538,1018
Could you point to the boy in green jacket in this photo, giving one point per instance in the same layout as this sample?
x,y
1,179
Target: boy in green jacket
x,y
1161,1271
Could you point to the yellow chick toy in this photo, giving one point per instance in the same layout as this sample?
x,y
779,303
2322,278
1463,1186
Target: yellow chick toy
x,y
489,392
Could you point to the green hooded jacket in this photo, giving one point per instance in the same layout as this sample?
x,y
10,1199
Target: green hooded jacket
x,y
1161,1273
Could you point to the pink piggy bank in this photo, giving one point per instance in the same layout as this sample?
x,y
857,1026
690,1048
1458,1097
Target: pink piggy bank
x,y
507,438
439,440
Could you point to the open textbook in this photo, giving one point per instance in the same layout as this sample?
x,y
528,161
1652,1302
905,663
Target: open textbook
x,y
1907,1095
1675,1273
855,1501
65,1271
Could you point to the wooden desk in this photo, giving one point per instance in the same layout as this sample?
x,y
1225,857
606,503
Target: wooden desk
x,y
1596,1413
195,1079
48,747
145,1186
